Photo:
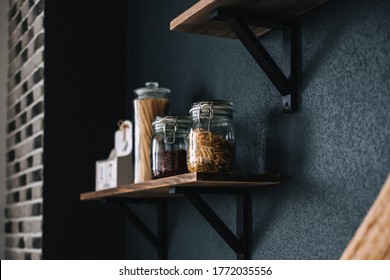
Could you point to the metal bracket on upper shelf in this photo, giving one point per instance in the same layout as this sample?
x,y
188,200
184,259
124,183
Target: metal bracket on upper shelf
x,y
285,81
239,242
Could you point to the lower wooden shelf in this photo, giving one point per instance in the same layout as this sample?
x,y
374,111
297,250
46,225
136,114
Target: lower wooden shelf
x,y
181,184
191,185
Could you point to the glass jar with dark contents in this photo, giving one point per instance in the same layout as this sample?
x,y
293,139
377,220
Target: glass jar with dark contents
x,y
169,146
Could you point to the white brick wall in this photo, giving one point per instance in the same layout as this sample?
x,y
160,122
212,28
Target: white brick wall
x,y
24,126
3,115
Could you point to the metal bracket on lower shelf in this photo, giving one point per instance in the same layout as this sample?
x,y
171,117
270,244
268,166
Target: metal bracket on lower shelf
x,y
159,241
240,243
285,81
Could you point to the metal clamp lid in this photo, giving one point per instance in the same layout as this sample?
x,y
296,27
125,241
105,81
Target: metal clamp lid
x,y
170,124
207,110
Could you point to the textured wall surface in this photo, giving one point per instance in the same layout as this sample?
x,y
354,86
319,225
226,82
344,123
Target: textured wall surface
x,y
335,149
24,136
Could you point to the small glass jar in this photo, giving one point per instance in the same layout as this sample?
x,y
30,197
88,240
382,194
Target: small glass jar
x,y
169,146
211,145
151,102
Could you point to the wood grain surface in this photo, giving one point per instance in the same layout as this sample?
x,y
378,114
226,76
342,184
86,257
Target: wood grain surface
x,y
196,18
372,239
161,187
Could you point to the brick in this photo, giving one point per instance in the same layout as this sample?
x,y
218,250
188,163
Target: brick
x,y
38,9
13,255
23,118
18,137
11,126
18,48
37,209
9,242
14,95
37,175
29,99
13,11
36,256
17,167
23,149
17,78
20,211
30,161
38,92
39,41
25,26
8,227
12,184
31,65
37,243
15,36
15,197
37,109
6,212
25,87
18,108
38,142
29,194
11,155
38,75
32,226
22,180
25,55
29,130
18,18
37,192
38,125
21,243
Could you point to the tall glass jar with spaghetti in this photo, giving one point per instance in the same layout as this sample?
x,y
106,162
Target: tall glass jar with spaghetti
x,y
211,144
151,101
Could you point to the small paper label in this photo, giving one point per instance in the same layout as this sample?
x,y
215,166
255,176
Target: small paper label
x,y
124,139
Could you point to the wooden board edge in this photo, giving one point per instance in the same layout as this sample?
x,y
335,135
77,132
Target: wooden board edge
x,y
190,12
370,240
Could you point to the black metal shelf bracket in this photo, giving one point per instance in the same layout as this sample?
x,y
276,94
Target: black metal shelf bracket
x,y
239,242
158,241
284,80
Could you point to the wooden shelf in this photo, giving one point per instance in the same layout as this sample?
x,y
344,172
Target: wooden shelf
x,y
196,19
175,185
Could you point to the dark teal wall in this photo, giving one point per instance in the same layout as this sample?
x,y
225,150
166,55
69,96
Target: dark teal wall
x,y
335,149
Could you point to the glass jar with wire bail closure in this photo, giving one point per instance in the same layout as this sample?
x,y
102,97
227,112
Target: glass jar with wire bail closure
x,y
211,144
169,146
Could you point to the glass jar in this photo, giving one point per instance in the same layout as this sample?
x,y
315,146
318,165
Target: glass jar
x,y
151,101
211,145
169,146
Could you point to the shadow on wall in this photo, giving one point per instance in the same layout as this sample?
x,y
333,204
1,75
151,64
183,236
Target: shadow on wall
x,y
327,40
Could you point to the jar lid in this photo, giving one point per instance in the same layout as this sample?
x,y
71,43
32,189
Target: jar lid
x,y
207,109
180,122
151,88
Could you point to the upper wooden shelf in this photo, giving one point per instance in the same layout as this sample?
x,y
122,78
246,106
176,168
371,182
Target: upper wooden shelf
x,y
196,19
171,186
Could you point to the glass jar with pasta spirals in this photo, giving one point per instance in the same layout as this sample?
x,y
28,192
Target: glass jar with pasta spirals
x,y
211,145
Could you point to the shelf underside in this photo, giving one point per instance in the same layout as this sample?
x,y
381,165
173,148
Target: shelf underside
x,y
196,19
176,185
